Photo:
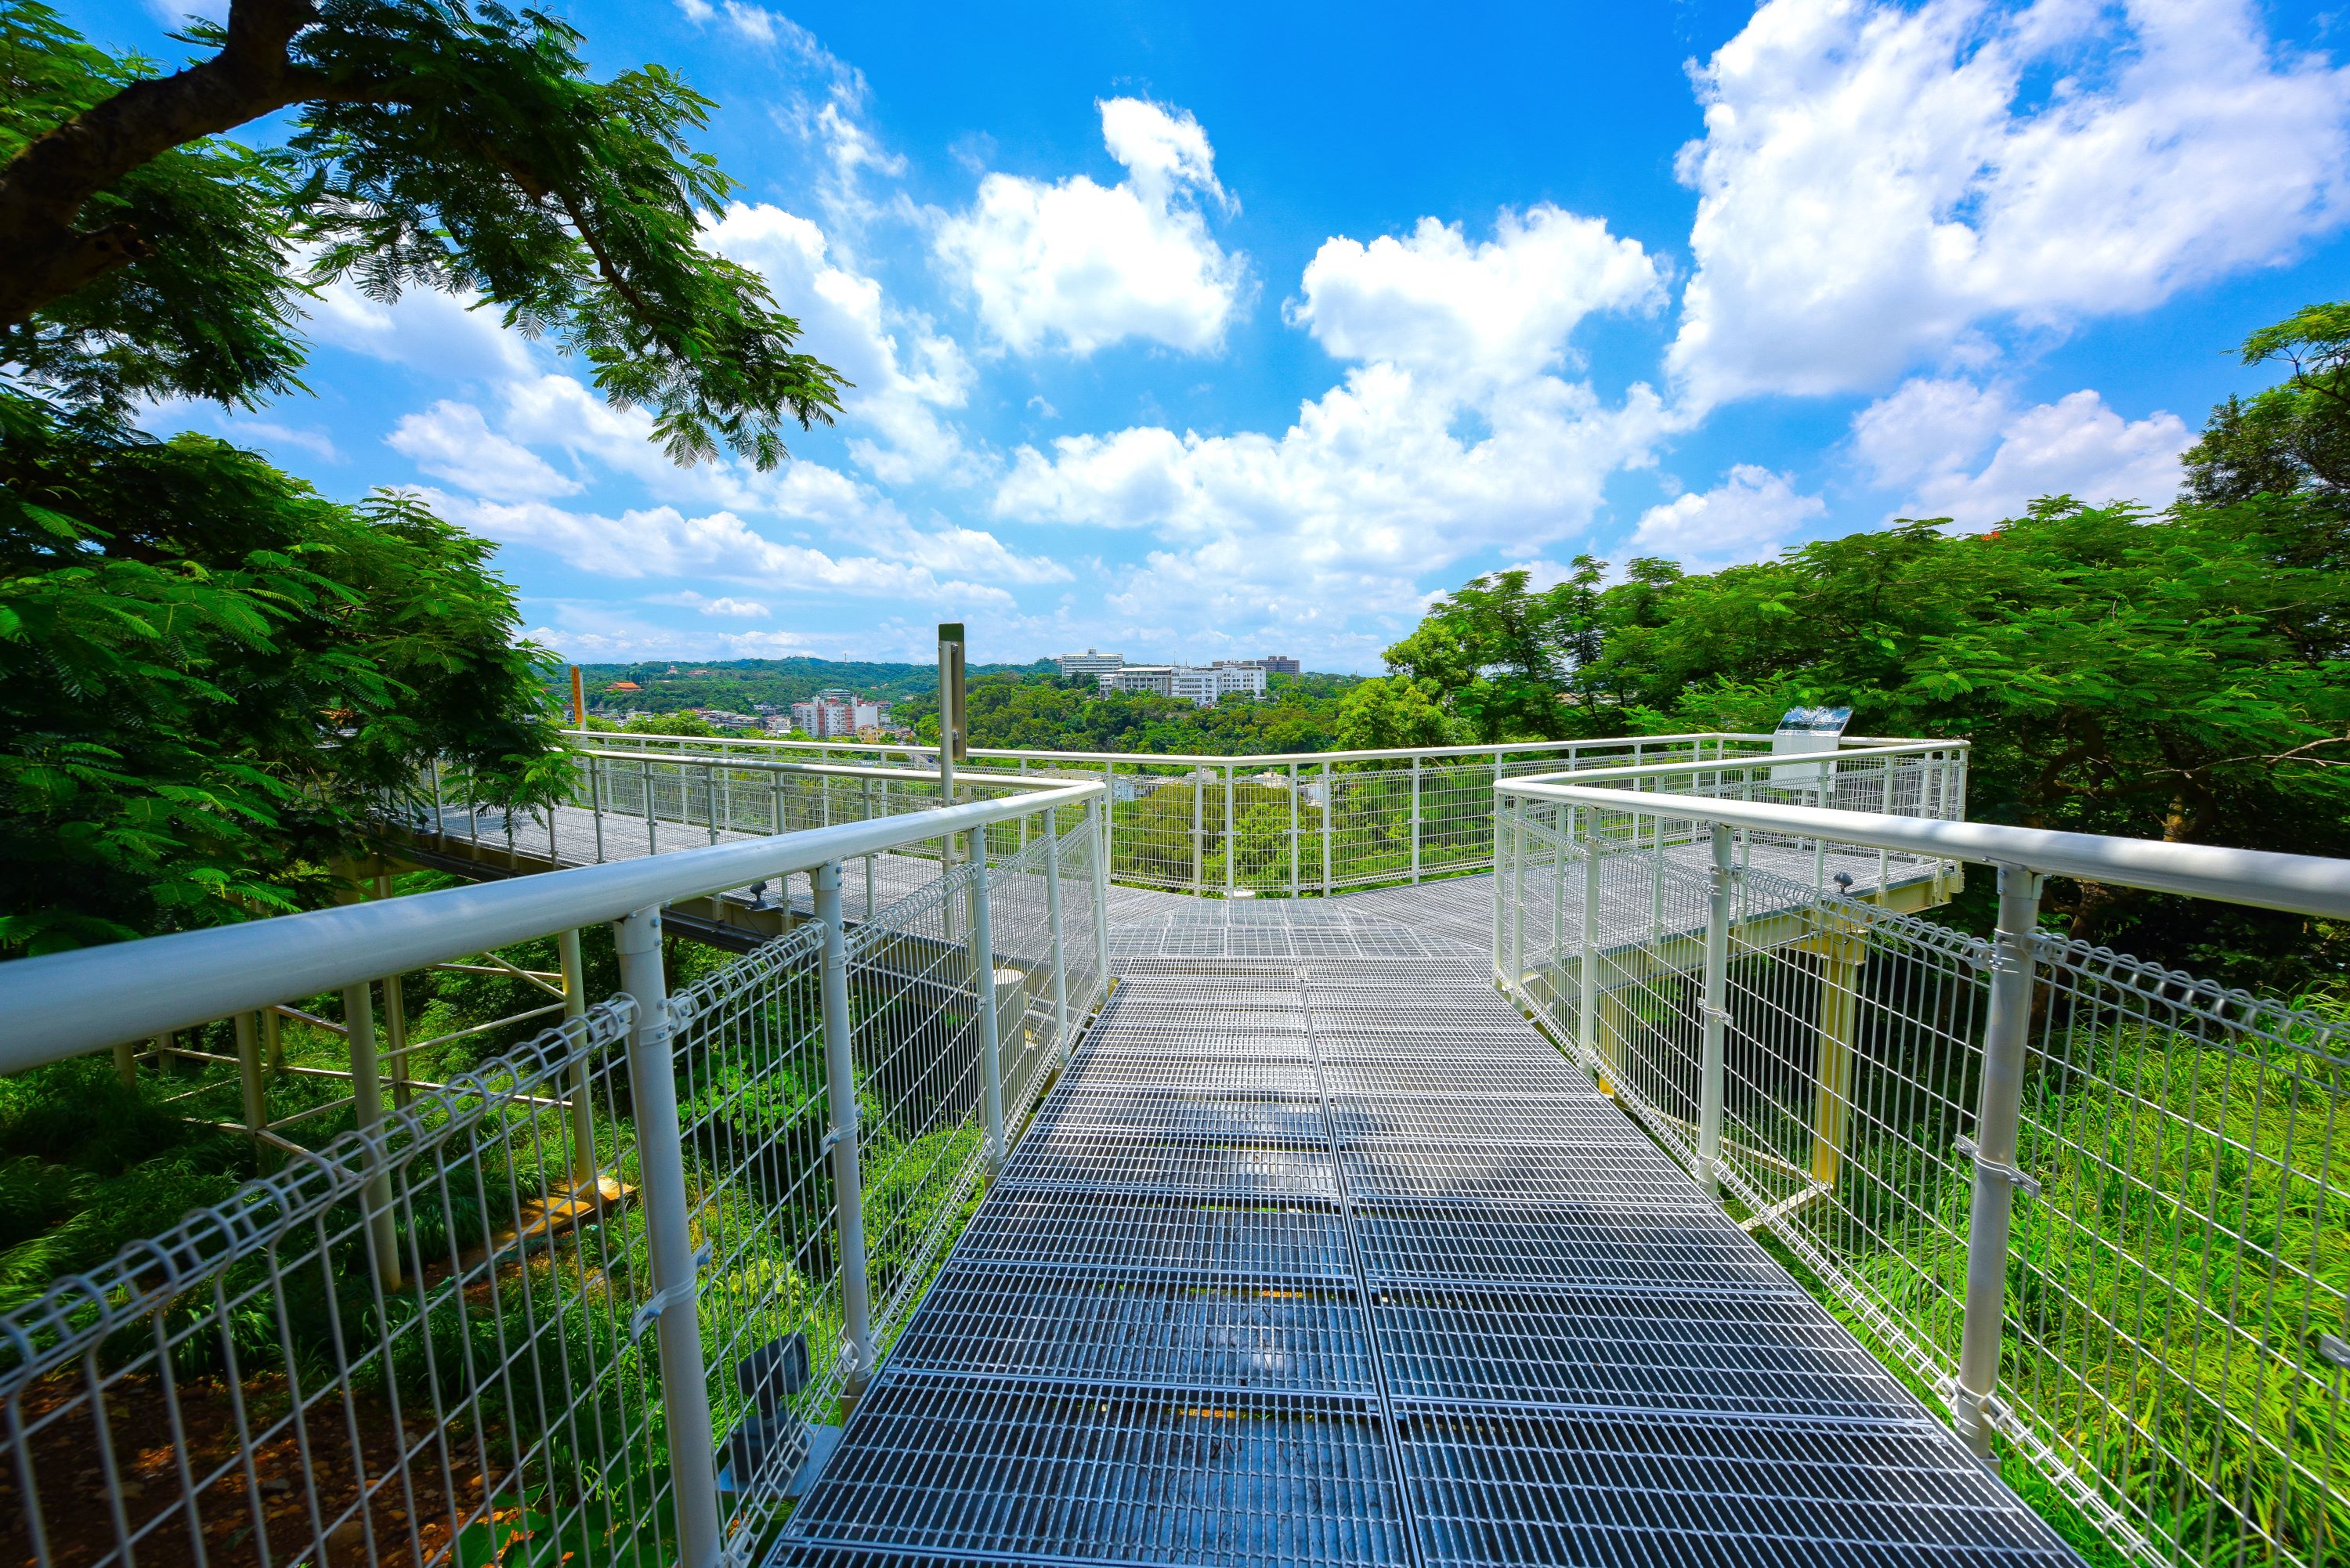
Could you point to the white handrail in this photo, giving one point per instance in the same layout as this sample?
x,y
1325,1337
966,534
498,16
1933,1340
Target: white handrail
x,y
64,1004
835,770
1400,753
2263,879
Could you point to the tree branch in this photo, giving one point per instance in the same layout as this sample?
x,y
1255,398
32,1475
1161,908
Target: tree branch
x,y
45,187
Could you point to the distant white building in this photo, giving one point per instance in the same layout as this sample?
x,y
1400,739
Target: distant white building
x,y
838,715
1203,684
1090,663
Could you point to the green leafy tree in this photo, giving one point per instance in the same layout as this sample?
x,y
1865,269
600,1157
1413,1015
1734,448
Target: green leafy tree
x,y
2293,436
1389,712
209,671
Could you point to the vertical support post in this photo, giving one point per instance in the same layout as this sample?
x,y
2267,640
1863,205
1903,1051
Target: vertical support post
x,y
983,974
595,802
248,1074
1586,1015
1296,850
582,1109
1518,814
685,1389
1053,927
848,1180
367,1110
1562,823
1997,1116
1329,810
1101,895
652,840
272,1042
440,823
1232,836
1199,828
1842,953
126,1062
1710,1070
710,797
1415,818
395,1035
1503,807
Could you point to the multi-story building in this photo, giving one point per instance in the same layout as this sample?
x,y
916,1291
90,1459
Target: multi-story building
x,y
1202,683
1090,663
838,715
1279,664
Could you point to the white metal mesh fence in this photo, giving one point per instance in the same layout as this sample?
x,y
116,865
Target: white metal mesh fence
x,y
435,1342
2171,1329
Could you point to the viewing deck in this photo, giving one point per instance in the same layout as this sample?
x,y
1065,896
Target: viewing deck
x,y
1319,1252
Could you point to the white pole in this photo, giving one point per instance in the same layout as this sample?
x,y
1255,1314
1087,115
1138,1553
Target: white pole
x,y
983,972
1052,926
1710,1071
2006,1044
367,1110
685,1390
848,1180
1101,896
583,1110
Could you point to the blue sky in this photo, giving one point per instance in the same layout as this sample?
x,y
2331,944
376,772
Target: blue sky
x,y
1193,331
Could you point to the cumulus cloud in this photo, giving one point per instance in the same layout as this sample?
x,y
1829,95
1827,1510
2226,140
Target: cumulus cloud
x,y
1878,186
740,609
1929,437
453,335
905,370
1079,266
451,441
1497,311
1751,516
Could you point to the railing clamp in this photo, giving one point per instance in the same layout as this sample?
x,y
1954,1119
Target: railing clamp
x,y
661,1301
1714,1015
2333,1348
831,1141
2023,1181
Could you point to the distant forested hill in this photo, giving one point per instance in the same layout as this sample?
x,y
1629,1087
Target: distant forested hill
x,y
672,685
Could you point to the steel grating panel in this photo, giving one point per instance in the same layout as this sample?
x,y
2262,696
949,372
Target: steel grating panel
x,y
946,1466
1062,1327
1431,1073
1574,1119
1228,1240
1593,1248
1490,1487
1260,1078
1220,1117
1110,1163
1771,1353
1620,1178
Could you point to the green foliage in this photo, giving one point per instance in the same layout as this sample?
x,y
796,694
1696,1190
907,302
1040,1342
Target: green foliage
x,y
209,673
2290,436
461,147
1383,714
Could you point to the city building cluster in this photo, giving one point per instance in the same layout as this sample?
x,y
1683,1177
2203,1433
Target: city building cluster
x,y
839,715
1204,685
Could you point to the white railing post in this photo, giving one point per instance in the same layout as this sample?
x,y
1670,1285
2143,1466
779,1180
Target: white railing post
x,y
847,1179
1231,837
1586,1024
983,974
1711,1071
582,1109
2006,1040
1101,891
1199,829
661,1154
1297,849
1520,812
1329,811
1053,928
1415,819
652,839
1502,807
367,1112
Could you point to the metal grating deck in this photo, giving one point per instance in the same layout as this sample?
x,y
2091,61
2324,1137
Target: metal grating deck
x,y
1319,1254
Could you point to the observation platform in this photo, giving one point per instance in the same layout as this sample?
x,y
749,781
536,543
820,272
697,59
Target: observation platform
x,y
1318,1253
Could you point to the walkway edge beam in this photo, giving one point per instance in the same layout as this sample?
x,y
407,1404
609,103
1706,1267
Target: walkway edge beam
x,y
2263,879
65,1004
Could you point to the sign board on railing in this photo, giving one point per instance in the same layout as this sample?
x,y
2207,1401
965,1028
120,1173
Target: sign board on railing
x,y
1807,729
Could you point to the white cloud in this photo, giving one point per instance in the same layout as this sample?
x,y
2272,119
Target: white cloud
x,y
1081,265
451,441
905,371
1878,185
1499,311
740,609
1749,516
1927,438
662,541
271,434
443,335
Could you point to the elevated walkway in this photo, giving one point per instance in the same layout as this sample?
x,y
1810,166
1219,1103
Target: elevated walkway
x,y
1318,1253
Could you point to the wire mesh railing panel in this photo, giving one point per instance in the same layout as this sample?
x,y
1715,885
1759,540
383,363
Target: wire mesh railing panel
x,y
2174,1331
2179,1295
414,1347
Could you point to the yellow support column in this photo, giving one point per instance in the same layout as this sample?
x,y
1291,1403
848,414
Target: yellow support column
x,y
1837,1017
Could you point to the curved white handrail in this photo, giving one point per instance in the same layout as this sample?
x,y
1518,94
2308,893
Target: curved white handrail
x,y
2265,879
64,1004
